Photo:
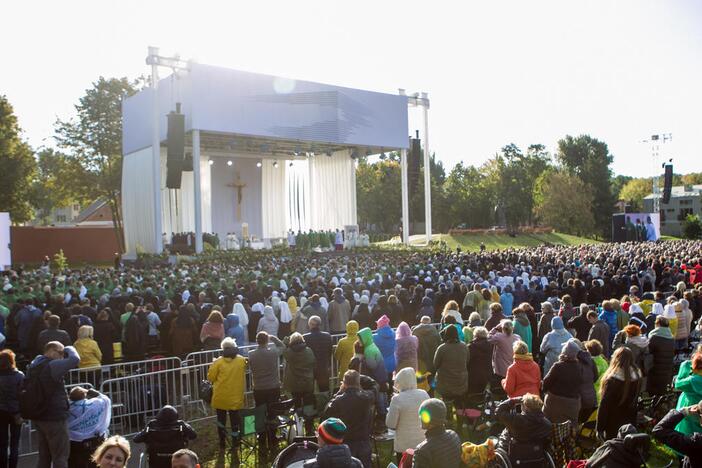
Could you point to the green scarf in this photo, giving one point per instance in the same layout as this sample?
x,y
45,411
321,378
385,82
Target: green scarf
x,y
662,332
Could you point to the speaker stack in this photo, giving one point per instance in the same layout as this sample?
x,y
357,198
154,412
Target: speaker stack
x,y
667,183
175,154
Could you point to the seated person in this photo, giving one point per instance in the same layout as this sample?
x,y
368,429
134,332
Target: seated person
x,y
89,414
441,447
332,450
164,436
689,445
523,429
624,451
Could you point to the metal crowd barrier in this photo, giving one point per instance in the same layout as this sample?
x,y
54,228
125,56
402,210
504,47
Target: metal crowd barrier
x,y
95,375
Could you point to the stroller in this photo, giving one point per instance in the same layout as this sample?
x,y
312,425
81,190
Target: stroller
x,y
295,454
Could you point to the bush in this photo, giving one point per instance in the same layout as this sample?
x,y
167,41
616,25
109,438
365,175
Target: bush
x,y
60,261
692,227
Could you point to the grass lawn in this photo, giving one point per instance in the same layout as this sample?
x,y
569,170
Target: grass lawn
x,y
471,242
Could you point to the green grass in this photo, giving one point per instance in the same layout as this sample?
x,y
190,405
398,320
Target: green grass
x,y
471,242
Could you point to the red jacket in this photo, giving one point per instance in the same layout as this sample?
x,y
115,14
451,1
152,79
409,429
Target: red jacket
x,y
523,376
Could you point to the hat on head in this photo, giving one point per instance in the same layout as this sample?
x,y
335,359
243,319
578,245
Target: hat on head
x,y
432,410
383,321
570,349
332,431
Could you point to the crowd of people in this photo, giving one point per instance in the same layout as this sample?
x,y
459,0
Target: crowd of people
x,y
559,334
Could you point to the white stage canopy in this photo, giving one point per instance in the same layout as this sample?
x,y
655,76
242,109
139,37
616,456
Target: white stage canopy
x,y
274,153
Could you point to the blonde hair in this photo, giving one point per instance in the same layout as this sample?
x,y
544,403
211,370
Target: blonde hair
x,y
532,403
85,331
520,347
114,441
296,338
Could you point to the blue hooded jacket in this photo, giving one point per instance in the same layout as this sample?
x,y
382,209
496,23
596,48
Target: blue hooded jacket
x,y
553,342
384,339
234,330
610,318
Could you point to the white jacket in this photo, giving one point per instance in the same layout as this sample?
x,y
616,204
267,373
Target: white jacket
x,y
403,414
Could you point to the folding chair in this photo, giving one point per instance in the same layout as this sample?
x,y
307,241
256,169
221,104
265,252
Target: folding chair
x,y
252,422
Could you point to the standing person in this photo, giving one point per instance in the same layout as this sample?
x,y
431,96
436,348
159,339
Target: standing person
x,y
212,331
522,327
599,332
524,375
661,346
684,316
451,363
240,311
361,313
428,339
228,376
402,414
562,386
104,334
10,419
594,348
136,334
580,324
154,324
547,314
590,374
269,323
299,374
89,418
689,382
620,389
87,348
480,371
53,333
441,447
496,316
320,342
384,339
265,374
353,406
507,300
553,342
181,332
502,338
689,445
344,348
609,316
50,369
339,312
373,366
406,346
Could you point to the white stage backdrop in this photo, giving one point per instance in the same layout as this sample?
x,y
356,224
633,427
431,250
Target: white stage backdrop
x,y
274,199
332,191
298,196
137,201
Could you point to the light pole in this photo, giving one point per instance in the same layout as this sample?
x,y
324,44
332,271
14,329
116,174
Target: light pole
x,y
656,141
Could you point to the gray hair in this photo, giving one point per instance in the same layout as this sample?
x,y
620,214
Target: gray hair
x,y
228,342
480,332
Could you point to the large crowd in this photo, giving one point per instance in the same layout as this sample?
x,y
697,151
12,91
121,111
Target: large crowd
x,y
575,335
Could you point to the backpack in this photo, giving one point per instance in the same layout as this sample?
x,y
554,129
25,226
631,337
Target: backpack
x,y
32,397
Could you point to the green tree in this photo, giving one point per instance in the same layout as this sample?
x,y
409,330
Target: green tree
x,y
693,178
564,203
692,227
634,191
378,195
93,138
590,160
49,189
469,201
618,182
17,167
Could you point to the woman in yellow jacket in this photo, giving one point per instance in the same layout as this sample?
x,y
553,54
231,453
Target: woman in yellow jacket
x,y
228,377
87,348
344,349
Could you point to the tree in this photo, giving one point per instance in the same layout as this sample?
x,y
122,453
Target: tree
x,y
49,189
17,167
693,178
564,202
378,195
589,159
93,139
469,201
692,227
634,191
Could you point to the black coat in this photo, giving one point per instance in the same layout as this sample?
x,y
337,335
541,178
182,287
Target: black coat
x,y
441,449
564,379
662,351
613,412
690,445
104,335
479,365
321,345
353,406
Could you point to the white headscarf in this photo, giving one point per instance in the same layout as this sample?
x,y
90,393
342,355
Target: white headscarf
x,y
285,315
323,301
657,308
669,312
241,313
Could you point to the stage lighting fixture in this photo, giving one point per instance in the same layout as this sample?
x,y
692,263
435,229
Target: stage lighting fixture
x,y
258,164
275,164
229,163
211,162
329,154
291,164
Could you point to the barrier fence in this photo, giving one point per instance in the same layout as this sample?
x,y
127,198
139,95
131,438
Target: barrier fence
x,y
139,389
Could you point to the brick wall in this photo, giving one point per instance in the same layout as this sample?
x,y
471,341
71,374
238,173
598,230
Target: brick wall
x,y
80,244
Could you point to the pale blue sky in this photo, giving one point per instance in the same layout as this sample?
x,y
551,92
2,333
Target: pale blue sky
x,y
496,71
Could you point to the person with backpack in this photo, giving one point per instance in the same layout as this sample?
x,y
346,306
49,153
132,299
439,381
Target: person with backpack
x,y
43,400
10,420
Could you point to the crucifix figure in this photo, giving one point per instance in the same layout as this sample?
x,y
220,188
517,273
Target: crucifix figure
x,y
239,188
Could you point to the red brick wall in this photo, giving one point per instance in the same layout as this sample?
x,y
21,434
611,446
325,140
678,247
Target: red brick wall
x,y
80,244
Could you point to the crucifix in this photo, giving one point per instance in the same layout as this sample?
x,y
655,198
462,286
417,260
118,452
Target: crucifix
x,y
239,187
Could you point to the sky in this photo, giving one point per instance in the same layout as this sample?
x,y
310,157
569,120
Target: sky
x,y
497,72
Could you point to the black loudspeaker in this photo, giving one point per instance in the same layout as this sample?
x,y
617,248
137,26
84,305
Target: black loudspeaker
x,y
667,183
618,228
414,159
175,155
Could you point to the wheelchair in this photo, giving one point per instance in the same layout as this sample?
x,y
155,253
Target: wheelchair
x,y
523,455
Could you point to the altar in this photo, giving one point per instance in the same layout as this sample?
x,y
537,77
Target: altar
x,y
268,154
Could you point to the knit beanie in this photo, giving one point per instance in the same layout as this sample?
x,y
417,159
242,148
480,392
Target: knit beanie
x,y
332,431
432,410
383,321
